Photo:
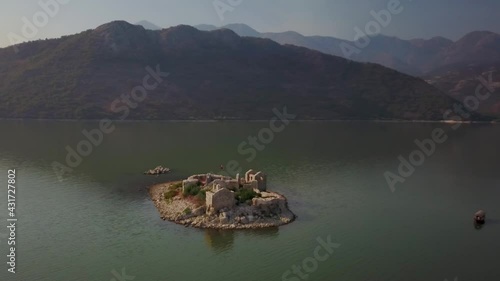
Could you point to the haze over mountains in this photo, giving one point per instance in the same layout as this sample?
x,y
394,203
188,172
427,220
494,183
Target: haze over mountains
x,y
213,75
452,67
415,57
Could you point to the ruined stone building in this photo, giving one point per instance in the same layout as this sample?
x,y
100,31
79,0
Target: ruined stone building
x,y
220,190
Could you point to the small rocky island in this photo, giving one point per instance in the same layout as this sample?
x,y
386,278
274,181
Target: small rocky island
x,y
157,171
220,202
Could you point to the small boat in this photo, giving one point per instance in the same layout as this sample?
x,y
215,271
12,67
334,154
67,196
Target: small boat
x,y
480,217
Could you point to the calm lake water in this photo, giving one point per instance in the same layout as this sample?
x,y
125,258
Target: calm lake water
x,y
99,221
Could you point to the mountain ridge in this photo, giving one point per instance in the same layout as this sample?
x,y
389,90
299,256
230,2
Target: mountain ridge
x,y
415,56
213,75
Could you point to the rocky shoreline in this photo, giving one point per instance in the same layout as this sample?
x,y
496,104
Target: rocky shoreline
x,y
188,211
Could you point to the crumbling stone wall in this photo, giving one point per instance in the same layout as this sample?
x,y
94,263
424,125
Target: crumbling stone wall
x,y
219,199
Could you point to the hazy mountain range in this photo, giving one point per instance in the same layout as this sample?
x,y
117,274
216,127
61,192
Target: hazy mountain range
x,y
213,75
415,57
452,67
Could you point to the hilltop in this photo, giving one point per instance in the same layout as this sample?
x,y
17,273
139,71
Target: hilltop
x,y
212,75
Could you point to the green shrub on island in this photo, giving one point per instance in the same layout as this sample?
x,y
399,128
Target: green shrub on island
x,y
187,211
170,194
202,195
191,190
175,186
243,195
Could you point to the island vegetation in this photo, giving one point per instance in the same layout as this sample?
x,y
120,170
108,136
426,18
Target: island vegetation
x,y
220,202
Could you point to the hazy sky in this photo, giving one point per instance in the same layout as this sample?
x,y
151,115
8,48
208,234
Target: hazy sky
x,y
419,18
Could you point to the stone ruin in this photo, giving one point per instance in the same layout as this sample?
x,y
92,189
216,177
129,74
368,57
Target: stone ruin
x,y
228,202
252,180
220,190
255,180
219,199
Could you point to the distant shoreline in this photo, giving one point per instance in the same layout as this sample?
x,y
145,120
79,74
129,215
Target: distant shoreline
x,y
257,120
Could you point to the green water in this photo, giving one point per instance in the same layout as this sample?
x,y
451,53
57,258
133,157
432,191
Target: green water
x,y
100,219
